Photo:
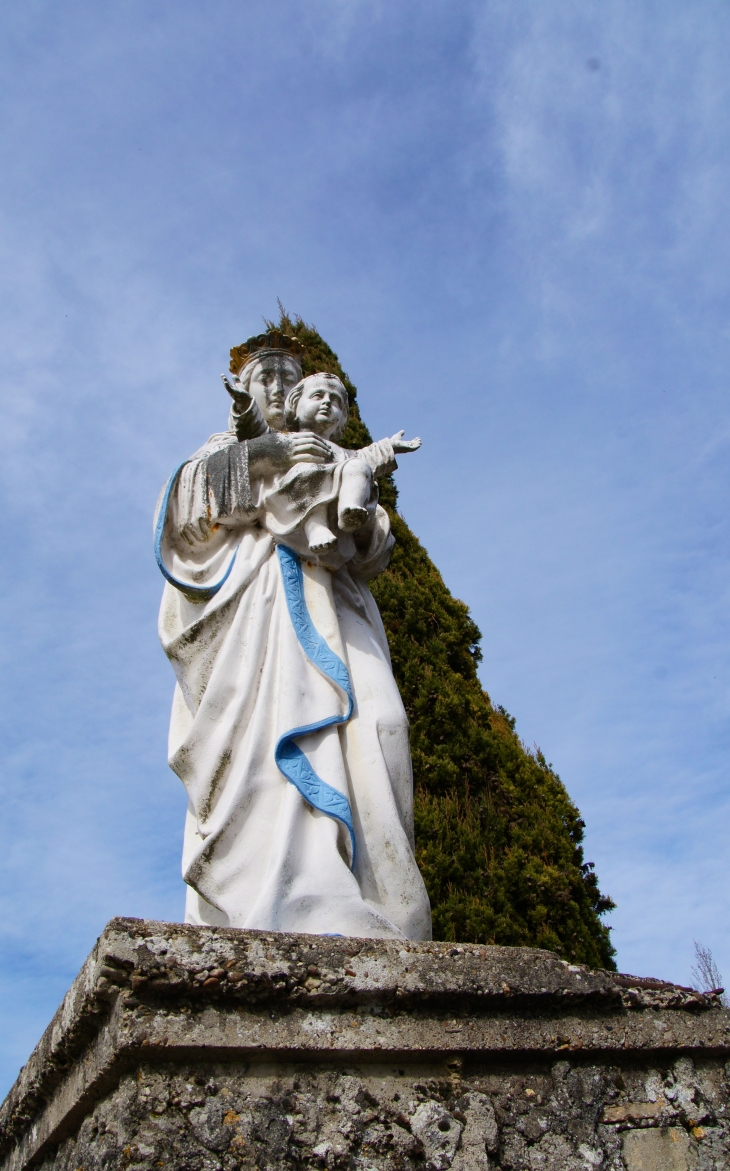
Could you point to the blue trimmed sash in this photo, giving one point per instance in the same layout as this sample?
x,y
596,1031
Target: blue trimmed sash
x,y
289,758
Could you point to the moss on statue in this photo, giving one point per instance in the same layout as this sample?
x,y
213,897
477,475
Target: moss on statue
x,y
498,839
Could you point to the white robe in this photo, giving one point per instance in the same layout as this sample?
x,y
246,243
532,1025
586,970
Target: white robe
x,y
256,853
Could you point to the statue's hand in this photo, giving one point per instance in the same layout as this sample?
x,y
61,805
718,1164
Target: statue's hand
x,y
235,388
306,447
279,450
401,445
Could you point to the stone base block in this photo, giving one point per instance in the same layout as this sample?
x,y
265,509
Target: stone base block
x,y
206,1048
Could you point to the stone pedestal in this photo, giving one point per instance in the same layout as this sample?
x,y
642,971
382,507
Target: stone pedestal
x,y
206,1048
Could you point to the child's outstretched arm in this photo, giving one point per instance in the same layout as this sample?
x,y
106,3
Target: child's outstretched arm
x,y
381,455
401,445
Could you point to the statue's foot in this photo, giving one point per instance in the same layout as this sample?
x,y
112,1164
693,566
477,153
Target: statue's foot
x,y
323,546
351,519
319,537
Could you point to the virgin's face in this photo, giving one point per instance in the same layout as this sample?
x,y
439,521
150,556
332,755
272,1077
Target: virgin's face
x,y
271,380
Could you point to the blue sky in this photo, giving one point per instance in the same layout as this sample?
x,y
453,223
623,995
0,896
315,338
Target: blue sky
x,y
511,222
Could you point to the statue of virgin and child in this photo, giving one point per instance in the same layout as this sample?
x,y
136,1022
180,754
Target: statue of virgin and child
x,y
287,727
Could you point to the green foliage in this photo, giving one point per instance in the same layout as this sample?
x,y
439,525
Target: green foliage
x,y
498,839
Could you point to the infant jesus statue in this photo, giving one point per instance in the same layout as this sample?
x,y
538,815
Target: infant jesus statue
x,y
314,508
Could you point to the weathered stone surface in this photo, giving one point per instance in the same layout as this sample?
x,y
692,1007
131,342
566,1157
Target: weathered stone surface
x,y
189,1047
668,1149
633,1111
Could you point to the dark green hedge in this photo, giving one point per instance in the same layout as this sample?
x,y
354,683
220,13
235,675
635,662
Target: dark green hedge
x,y
498,839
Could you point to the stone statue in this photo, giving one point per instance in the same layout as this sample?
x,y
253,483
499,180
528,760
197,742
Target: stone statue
x,y
287,727
295,505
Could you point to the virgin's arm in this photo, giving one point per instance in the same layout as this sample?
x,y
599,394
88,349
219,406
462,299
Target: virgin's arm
x,y
231,470
279,450
246,418
210,489
214,488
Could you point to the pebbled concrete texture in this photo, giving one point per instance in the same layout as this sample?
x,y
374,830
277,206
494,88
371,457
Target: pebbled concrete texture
x,y
211,1048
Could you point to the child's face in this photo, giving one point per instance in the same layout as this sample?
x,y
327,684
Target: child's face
x,y
320,409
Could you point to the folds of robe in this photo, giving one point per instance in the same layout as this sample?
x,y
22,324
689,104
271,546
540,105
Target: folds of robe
x,y
256,854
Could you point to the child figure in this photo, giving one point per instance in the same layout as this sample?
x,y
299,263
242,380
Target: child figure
x,y
315,507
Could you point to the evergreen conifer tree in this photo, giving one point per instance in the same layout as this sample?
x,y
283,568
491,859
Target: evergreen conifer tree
x,y
498,839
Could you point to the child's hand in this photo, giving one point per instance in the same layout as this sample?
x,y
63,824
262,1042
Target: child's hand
x,y
241,397
401,445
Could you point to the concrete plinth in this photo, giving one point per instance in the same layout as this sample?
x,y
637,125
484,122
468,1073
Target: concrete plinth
x,y
206,1048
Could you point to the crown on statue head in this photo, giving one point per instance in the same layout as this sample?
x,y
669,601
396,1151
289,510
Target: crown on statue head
x,y
271,342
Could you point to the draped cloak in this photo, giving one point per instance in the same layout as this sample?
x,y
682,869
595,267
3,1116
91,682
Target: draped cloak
x,y
257,852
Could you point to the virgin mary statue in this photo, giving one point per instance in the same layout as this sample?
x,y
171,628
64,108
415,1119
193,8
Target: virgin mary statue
x,y
287,727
